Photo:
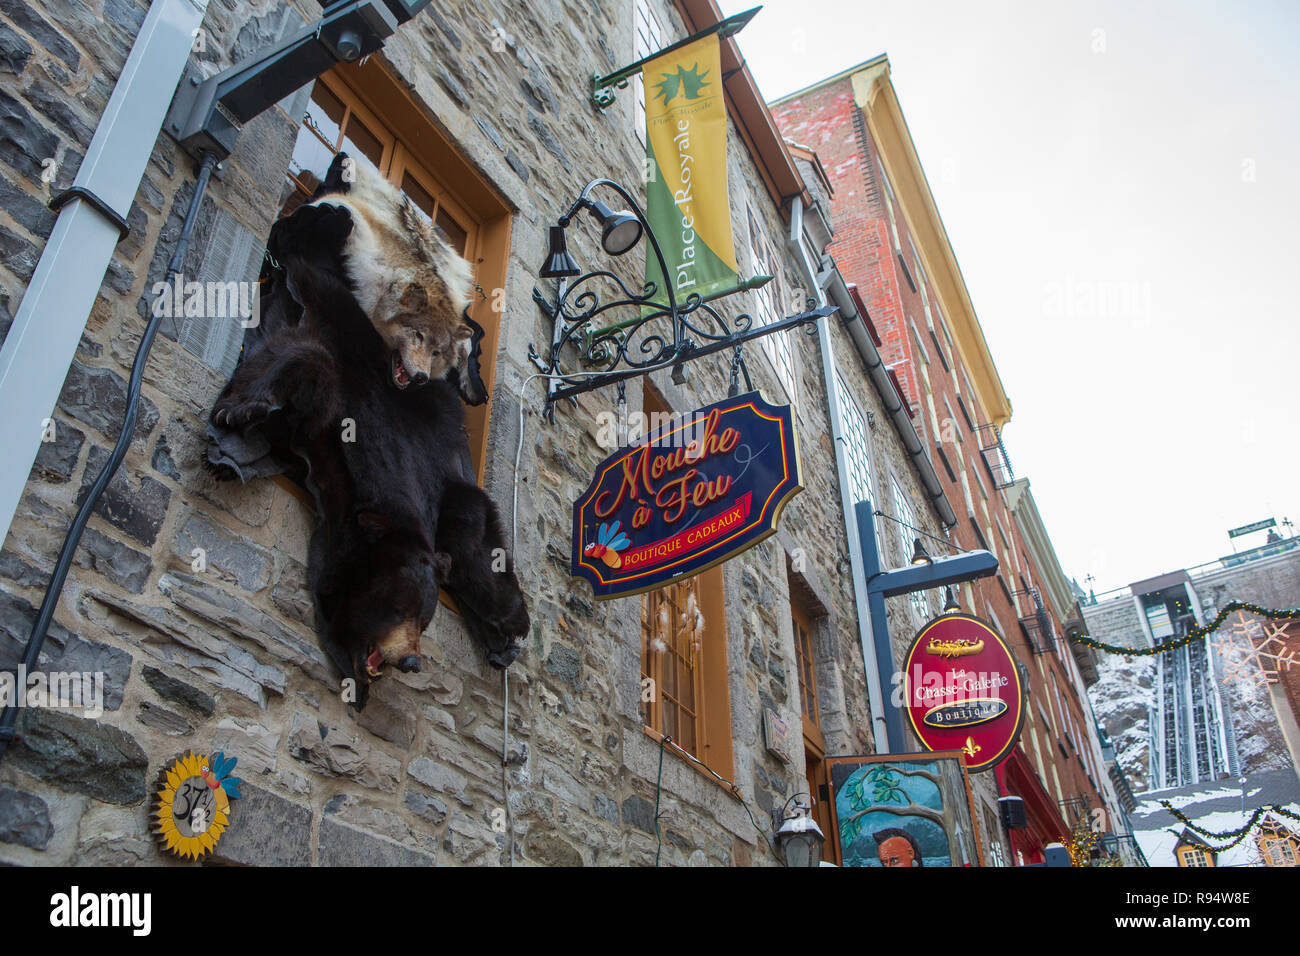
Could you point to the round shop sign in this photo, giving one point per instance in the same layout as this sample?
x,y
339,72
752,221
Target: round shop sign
x,y
962,690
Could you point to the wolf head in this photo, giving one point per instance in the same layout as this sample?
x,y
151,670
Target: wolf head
x,y
412,285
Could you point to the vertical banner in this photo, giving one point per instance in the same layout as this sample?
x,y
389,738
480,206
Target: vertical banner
x,y
687,202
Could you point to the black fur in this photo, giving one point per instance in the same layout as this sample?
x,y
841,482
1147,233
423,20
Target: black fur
x,y
398,510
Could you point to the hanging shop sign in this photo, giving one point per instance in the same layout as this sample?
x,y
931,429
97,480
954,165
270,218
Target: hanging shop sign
x,y
192,803
692,493
688,205
905,810
962,690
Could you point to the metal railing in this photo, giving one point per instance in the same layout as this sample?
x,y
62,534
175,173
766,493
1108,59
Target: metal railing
x,y
995,455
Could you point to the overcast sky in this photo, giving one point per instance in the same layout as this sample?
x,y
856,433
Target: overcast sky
x,y
1119,182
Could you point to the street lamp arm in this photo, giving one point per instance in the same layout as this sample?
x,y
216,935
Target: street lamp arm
x,y
966,566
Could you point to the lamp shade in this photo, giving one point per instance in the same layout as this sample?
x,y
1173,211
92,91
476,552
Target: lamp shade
x,y
619,231
559,264
799,841
919,555
951,606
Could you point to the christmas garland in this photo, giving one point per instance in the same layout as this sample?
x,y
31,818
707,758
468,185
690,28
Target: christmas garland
x,y
1237,835
1195,634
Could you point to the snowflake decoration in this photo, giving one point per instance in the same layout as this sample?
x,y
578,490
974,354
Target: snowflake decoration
x,y
1263,655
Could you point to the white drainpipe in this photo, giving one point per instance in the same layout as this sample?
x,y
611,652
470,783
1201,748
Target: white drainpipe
x,y
794,242
43,338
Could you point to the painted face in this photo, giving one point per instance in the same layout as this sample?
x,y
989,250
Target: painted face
x,y
896,851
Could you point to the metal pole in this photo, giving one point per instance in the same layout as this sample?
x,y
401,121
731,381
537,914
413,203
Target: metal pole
x,y
884,651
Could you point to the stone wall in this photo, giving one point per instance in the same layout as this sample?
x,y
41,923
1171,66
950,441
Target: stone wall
x,y
223,655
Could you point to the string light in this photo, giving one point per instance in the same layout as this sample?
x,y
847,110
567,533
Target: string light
x,y
1237,835
1081,843
1195,634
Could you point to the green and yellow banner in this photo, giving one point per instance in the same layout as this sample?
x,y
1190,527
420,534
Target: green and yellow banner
x,y
687,202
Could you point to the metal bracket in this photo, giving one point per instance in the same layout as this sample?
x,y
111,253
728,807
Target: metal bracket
x,y
93,200
603,87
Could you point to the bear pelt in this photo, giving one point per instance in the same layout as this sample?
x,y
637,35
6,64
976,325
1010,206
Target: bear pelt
x,y
398,512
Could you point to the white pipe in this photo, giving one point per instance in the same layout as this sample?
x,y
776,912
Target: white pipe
x,y
875,699
56,305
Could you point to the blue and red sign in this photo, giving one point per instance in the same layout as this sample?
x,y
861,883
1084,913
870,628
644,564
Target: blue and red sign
x,y
692,493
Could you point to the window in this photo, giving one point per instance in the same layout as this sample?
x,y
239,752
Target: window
x,y
956,426
776,345
671,637
943,327
1194,856
684,659
364,111
889,209
916,340
649,38
1278,847
804,661
943,359
853,429
903,512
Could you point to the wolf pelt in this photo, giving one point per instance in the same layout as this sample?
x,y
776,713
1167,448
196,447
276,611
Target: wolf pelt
x,y
412,285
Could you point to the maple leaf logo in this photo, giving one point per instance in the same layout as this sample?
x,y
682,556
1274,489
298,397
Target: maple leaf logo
x,y
687,82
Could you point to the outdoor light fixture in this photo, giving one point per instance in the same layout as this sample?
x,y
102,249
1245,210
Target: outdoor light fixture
x,y
799,841
619,232
919,555
208,113
559,264
951,606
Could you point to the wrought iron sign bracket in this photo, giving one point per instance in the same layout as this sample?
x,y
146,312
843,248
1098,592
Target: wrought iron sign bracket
x,y
660,331
603,87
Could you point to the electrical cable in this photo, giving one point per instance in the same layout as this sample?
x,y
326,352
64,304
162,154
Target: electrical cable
x,y
659,840
505,758
944,541
54,589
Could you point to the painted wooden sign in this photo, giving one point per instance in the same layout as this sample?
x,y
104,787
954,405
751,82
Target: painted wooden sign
x,y
692,493
192,803
963,691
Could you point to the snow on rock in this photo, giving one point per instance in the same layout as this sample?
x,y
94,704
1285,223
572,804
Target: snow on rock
x,y
1122,698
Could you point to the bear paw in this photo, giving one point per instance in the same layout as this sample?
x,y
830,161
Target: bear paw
x,y
238,412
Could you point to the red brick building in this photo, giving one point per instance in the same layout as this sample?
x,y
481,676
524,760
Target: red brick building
x,y
890,241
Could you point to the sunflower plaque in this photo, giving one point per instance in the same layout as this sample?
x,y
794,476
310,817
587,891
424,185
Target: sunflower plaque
x,y
192,805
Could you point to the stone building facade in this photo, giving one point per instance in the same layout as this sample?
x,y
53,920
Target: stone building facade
x,y
189,595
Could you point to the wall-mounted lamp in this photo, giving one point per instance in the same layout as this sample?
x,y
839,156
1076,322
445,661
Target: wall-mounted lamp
x,y
207,115
919,555
657,328
559,264
619,231
619,234
800,839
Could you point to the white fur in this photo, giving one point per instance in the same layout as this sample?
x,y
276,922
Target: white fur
x,y
378,283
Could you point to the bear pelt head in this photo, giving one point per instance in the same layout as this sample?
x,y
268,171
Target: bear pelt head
x,y
412,285
376,595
